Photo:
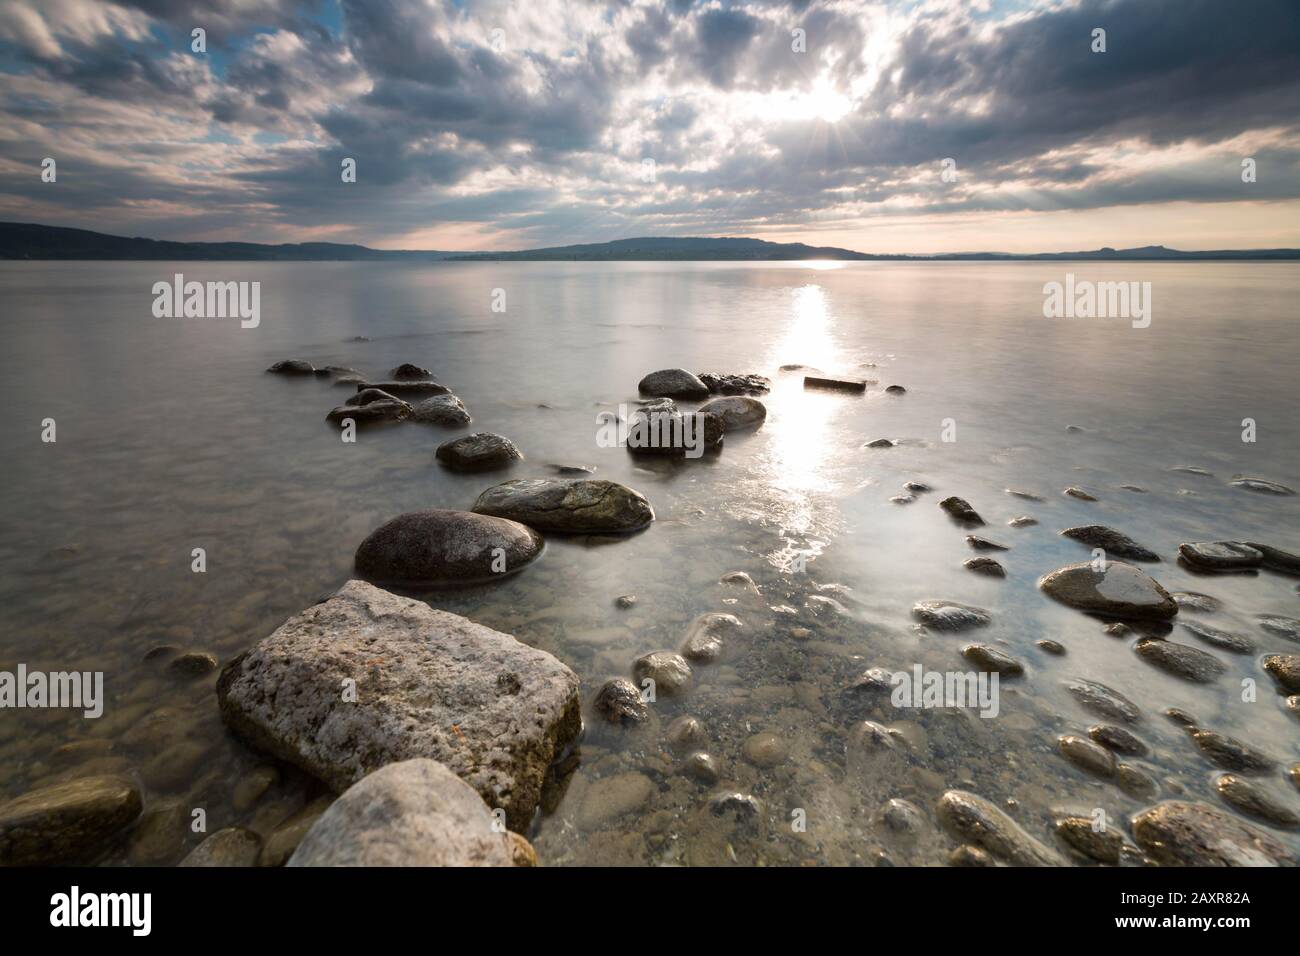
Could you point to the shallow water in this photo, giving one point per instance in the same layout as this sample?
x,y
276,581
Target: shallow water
x,y
170,437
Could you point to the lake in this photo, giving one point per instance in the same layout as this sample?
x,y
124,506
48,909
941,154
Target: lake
x,y
170,436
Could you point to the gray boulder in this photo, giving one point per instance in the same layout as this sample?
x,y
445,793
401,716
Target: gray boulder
x,y
293,367
368,678
407,389
412,813
374,412
481,451
737,411
1220,555
585,506
425,549
1179,833
673,383
441,410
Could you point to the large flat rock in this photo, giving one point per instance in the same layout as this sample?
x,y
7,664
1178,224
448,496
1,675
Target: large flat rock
x,y
588,505
1111,588
428,683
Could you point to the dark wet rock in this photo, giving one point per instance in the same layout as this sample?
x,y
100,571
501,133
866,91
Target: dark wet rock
x,y
1027,495
949,616
1075,429
339,371
1195,601
739,579
874,680
1262,486
976,821
1287,627
1117,739
411,389
373,413
673,383
1135,782
701,766
193,663
572,471
765,750
1114,543
960,510
481,451
368,395
1134,488
880,443
1121,590
1193,470
1222,639
707,635
720,383
835,384
670,672
441,410
66,823
412,813
1231,753
1051,646
159,835
967,855
428,683
902,817
408,371
1285,670
1181,660
737,806
1023,521
1220,555
619,702
986,566
1102,700
673,434
625,601
686,733
989,658
232,846
1086,755
253,785
285,838
584,506
293,367
1079,493
1254,800
1276,559
895,390
1180,717
446,548
1179,833
984,544
737,412
916,487
1079,835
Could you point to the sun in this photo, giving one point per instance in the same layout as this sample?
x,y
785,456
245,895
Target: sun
x,y
822,102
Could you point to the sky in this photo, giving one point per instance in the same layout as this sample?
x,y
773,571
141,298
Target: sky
x,y
921,127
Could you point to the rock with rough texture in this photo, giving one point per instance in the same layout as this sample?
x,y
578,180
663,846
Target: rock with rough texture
x,y
426,549
619,702
977,543
949,616
376,412
1087,756
1220,555
1179,833
424,683
232,846
1263,486
673,383
671,433
441,410
986,566
407,389
670,672
1222,639
960,510
368,395
1277,559
66,823
1287,627
411,813
1079,834
737,412
293,367
1023,521
1196,601
481,451
1117,739
408,371
1181,660
726,383
989,658
1079,493
1102,700
1254,800
1121,590
584,506
1231,753
1114,543
976,821
967,855
1285,670
706,637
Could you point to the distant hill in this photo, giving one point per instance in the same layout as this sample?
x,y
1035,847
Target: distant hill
x,y
20,240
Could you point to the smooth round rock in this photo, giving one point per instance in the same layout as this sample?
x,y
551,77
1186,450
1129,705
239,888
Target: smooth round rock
x,y
990,658
737,412
66,823
1253,800
1102,700
584,506
481,451
673,383
1262,486
232,846
705,639
408,371
959,510
976,821
989,567
1287,627
441,410
686,733
1231,753
1181,660
1121,590
950,616
1220,555
1222,639
670,672
1086,755
376,412
427,549
1117,739
765,750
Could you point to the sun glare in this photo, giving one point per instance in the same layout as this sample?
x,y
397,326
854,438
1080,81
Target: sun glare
x,y
823,102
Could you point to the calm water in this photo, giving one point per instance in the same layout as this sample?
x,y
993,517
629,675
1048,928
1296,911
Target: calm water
x,y
172,437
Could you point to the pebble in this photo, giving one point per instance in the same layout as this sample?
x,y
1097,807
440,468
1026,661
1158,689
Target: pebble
x,y
1231,753
1022,521
1086,755
1287,627
670,672
1079,835
960,510
992,659
1051,646
607,799
1222,639
1285,670
988,567
1195,601
193,663
765,750
1112,542
231,846
1079,493
1180,660
950,616
984,544
1103,701
974,820
967,855
702,767
1253,800
1262,486
1117,739
686,733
